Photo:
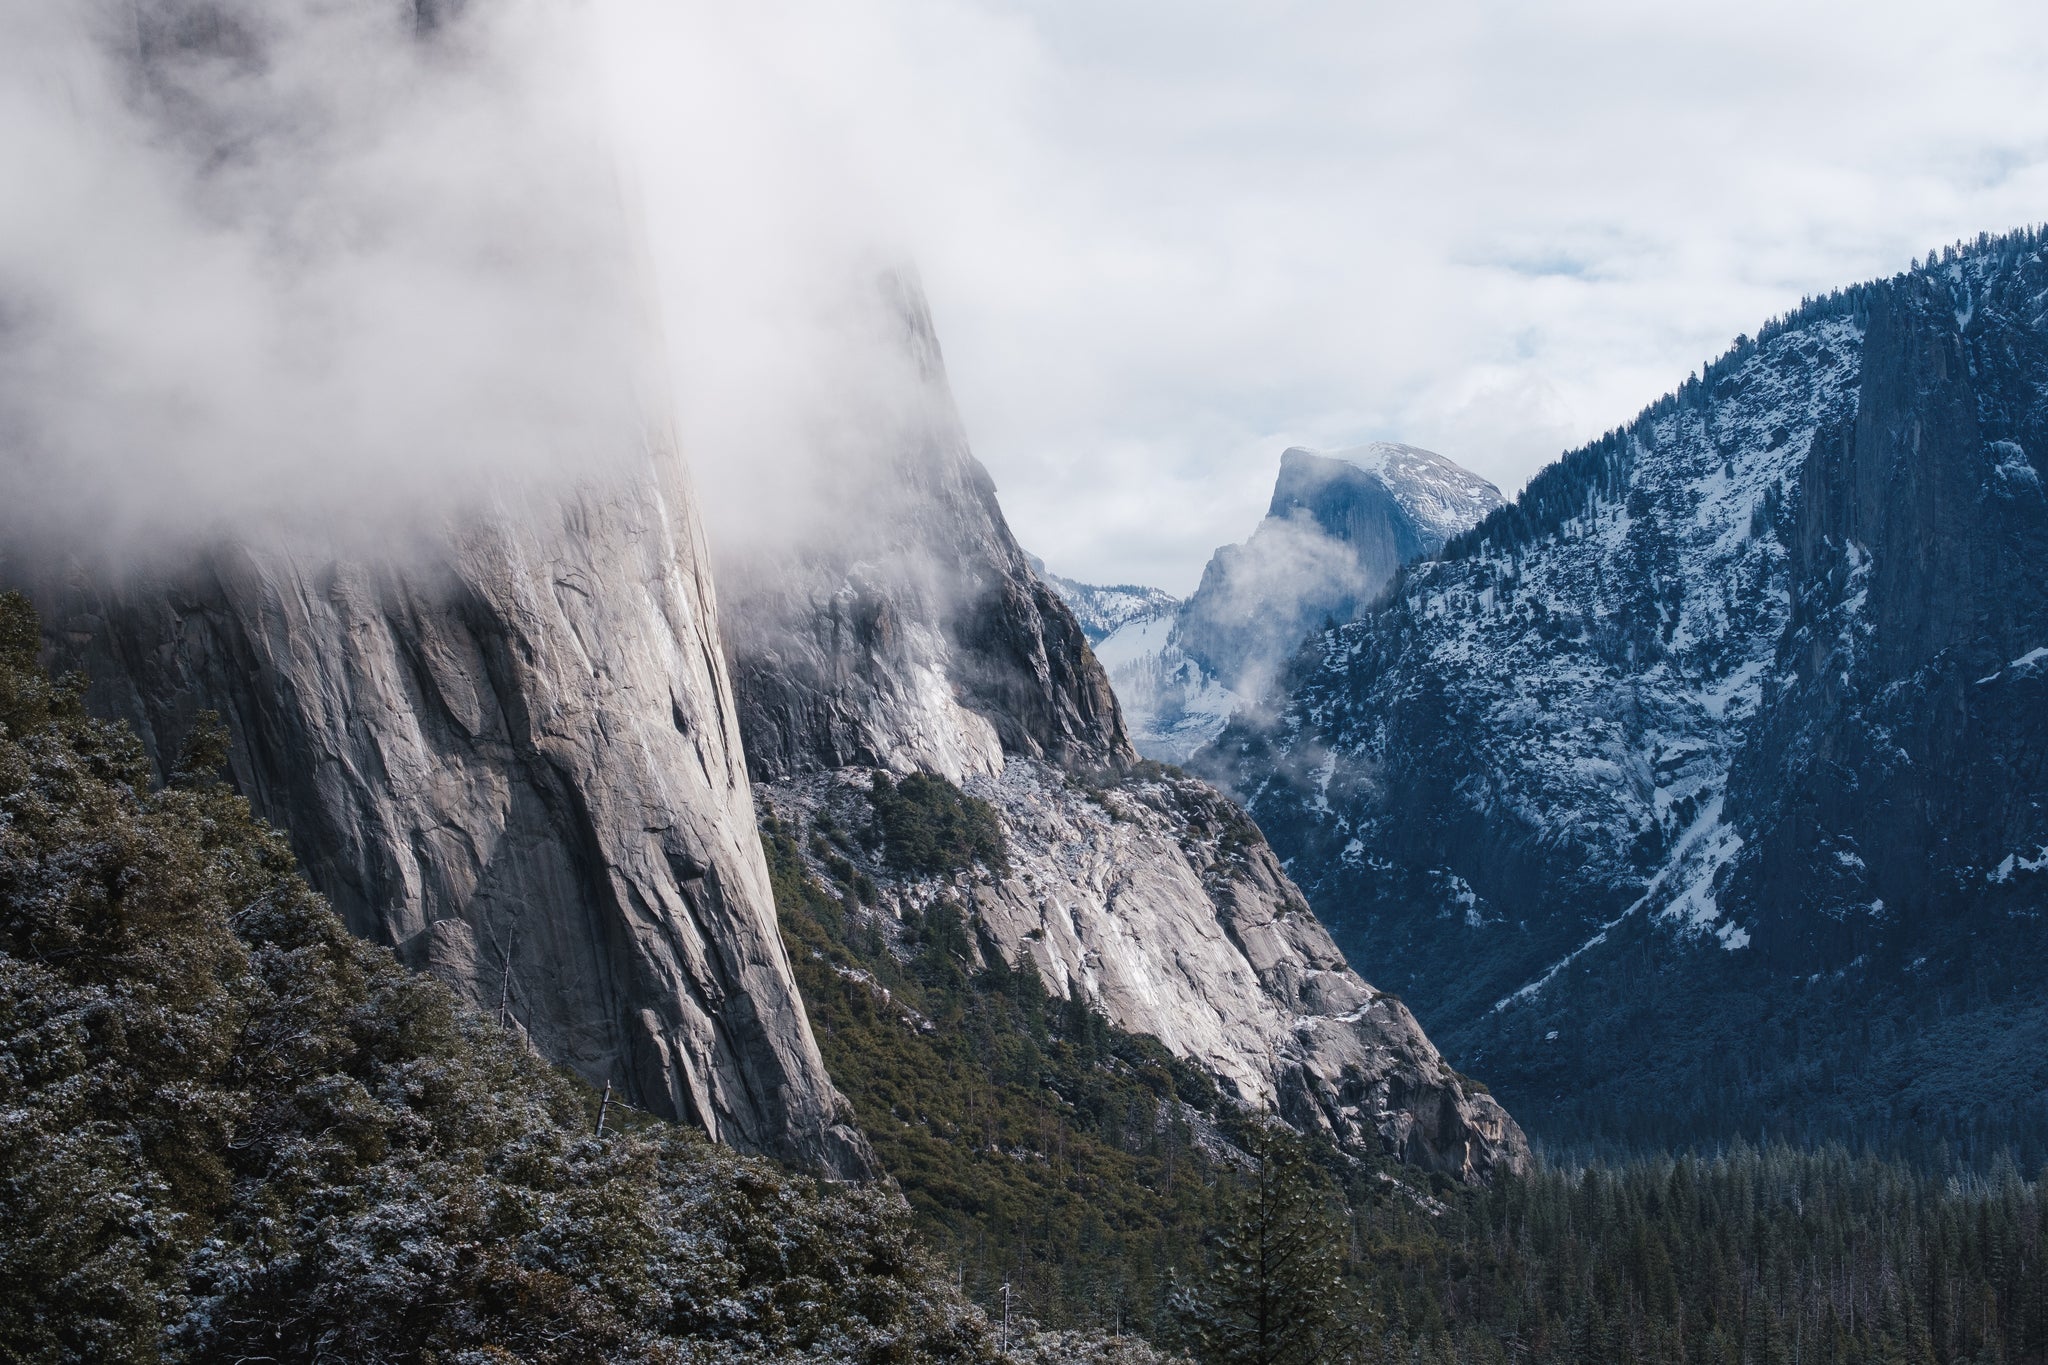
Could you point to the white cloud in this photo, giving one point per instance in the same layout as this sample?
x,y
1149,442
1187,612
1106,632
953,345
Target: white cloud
x,y
281,263
1165,240
1162,241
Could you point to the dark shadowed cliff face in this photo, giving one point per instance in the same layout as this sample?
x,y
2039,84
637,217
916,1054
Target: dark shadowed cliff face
x,y
1701,791
516,761
917,636
1895,789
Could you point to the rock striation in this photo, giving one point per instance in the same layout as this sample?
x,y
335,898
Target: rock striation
x,y
515,759
1700,791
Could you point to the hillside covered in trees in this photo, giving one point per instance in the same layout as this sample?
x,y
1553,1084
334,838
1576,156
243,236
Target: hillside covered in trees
x,y
229,1130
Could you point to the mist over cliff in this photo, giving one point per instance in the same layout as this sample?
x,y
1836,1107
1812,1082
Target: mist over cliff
x,y
299,267
356,432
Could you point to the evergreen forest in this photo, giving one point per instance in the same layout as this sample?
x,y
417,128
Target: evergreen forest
x,y
1110,1187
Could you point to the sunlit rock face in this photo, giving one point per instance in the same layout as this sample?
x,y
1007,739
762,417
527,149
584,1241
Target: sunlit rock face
x,y
1701,790
916,635
1158,902
514,759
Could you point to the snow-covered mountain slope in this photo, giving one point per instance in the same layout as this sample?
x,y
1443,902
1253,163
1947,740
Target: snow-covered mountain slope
x,y
1437,498
1172,704
1700,716
1104,611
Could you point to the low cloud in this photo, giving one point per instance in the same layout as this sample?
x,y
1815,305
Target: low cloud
x,y
1215,230
305,268
1161,242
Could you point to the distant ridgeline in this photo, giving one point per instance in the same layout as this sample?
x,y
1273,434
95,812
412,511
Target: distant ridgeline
x,y
1338,527
1700,790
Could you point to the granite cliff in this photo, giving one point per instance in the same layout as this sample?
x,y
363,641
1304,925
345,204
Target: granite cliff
x,y
921,638
910,630
494,719
516,761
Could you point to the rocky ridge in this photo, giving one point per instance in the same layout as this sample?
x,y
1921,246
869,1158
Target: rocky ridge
x,y
921,638
1155,900
1338,528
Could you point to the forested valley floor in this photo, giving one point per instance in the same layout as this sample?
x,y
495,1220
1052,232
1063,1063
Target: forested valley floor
x,y
1107,1184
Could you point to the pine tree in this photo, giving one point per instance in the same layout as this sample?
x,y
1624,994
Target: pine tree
x,y
1275,1292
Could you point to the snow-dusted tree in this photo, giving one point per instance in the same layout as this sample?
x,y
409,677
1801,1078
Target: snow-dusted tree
x,y
229,1130
1274,1292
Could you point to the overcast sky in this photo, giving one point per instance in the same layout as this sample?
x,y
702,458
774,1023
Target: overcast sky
x,y
1164,239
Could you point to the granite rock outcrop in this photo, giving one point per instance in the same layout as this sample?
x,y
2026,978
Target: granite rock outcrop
x,y
515,760
919,637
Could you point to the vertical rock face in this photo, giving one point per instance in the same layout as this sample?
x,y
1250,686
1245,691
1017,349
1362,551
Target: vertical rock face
x,y
513,757
918,636
501,738
1701,790
912,632
507,741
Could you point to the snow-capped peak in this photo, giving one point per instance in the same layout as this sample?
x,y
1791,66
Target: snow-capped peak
x,y
1441,497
